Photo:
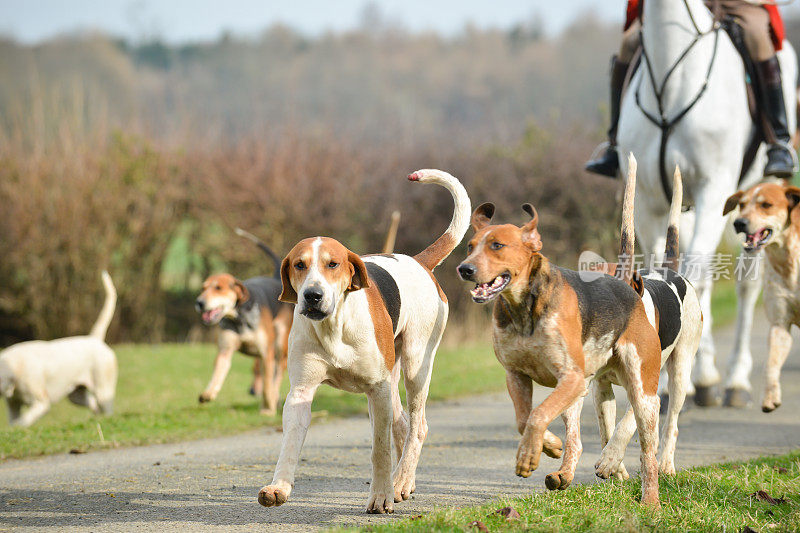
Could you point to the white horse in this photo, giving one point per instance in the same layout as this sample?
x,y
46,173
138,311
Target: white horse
x,y
708,144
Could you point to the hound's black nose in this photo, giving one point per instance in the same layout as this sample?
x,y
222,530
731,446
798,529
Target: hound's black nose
x,y
466,271
312,295
199,305
740,225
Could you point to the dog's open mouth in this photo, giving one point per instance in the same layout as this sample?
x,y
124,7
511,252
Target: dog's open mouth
x,y
754,241
314,314
212,316
483,292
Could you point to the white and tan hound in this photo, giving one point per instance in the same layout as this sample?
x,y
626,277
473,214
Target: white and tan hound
x,y
357,322
769,216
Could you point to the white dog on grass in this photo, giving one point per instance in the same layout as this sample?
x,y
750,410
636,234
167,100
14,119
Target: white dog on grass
x,y
36,374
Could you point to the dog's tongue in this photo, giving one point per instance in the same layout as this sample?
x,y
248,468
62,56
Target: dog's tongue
x,y
207,316
753,238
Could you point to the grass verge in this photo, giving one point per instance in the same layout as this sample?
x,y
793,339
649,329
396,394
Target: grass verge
x,y
157,400
710,498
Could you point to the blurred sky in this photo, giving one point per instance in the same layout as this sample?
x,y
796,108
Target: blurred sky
x,y
190,20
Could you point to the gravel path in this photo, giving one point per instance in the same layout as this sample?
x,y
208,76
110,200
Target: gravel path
x,y
468,458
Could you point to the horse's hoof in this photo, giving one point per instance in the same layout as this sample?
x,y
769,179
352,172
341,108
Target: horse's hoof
x,y
738,398
706,396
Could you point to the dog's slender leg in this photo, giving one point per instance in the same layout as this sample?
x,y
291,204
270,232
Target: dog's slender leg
x,y
645,409
417,362
780,343
14,410
740,361
572,449
399,416
679,366
570,386
35,411
267,350
520,388
614,441
296,419
228,343
256,389
381,499
635,357
281,352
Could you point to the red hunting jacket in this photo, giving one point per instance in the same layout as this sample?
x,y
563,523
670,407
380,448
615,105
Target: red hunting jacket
x,y
775,21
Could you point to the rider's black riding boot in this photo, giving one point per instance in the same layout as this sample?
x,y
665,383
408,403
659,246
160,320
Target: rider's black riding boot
x,y
780,160
608,162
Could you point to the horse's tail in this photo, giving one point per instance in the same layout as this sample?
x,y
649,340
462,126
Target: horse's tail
x,y
671,251
627,233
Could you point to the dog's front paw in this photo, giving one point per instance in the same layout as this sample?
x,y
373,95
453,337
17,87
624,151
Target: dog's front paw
x,y
552,446
772,398
527,459
273,495
666,467
205,397
559,480
610,464
404,487
380,503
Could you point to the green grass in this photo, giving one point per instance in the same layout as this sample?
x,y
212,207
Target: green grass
x,y
157,400
711,498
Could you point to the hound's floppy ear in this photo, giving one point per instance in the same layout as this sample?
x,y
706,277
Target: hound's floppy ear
x,y
358,272
793,195
242,294
482,216
732,202
530,235
288,294
637,282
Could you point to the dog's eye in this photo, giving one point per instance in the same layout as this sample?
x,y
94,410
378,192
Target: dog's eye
x,y
300,265
766,205
333,264
741,205
496,245
469,248
218,287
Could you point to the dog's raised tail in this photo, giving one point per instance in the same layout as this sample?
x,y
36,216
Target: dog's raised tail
x,y
628,233
107,312
437,252
671,250
264,248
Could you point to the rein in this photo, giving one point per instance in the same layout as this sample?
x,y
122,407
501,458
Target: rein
x,y
666,125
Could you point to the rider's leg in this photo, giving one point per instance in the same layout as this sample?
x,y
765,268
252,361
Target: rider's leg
x,y
607,164
754,20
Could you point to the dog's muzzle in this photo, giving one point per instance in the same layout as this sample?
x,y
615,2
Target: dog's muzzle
x,y
467,271
312,303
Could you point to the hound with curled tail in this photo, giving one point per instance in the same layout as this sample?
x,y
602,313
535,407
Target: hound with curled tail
x,y
357,322
36,374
